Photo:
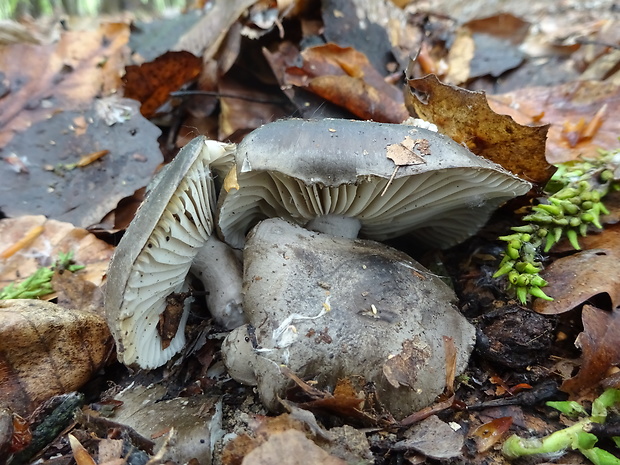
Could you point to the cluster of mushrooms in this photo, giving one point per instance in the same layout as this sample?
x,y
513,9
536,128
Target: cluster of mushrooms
x,y
305,204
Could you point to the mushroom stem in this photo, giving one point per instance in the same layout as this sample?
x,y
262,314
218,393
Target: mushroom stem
x,y
221,273
336,225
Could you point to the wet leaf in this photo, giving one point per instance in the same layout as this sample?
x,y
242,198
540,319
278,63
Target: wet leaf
x,y
345,77
566,107
466,117
363,27
580,277
53,186
433,438
67,75
496,43
489,434
152,82
54,238
47,350
600,345
291,447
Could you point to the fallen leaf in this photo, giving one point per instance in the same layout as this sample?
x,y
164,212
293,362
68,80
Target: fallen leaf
x,y
405,153
433,438
66,75
489,434
47,350
307,104
400,370
205,38
582,276
566,103
74,292
250,110
153,414
345,77
363,27
290,447
466,117
600,345
55,237
152,82
496,43
56,188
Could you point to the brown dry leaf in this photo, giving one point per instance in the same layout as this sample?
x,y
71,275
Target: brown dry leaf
x,y
53,238
466,117
404,153
290,447
350,401
600,345
69,74
579,277
563,105
345,77
47,350
152,82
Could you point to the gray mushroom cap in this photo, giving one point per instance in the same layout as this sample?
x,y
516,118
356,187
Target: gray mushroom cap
x,y
303,170
331,308
154,257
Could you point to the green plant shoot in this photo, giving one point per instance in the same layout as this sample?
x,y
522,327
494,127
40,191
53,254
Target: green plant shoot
x,y
39,283
573,206
575,437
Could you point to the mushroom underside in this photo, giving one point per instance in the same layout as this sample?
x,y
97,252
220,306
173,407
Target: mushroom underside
x,y
152,261
440,208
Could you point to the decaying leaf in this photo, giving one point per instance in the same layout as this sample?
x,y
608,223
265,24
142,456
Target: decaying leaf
x,y
466,117
195,420
401,368
488,434
292,445
345,77
496,39
600,344
54,237
433,438
152,82
47,350
66,75
55,187
408,152
577,278
566,106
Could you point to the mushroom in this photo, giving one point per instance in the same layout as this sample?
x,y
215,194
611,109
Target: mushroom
x,y
384,317
338,177
169,237
333,309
